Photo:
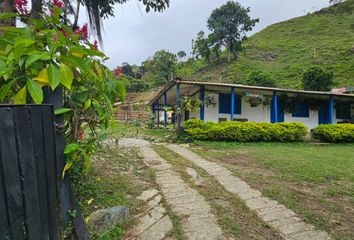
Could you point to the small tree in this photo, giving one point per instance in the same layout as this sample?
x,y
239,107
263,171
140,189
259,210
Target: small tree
x,y
317,79
201,47
259,78
229,25
181,55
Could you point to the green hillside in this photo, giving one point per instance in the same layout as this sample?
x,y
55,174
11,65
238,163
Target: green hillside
x,y
286,49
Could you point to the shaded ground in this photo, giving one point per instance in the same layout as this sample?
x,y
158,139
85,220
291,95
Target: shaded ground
x,y
316,181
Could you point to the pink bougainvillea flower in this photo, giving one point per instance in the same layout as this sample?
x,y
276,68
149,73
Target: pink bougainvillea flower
x,y
81,134
65,34
118,72
21,7
77,31
58,3
84,31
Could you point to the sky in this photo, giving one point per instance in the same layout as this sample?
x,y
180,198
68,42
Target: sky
x,y
133,35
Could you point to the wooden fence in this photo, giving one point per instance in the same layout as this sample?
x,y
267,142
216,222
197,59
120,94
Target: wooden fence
x,y
127,116
29,200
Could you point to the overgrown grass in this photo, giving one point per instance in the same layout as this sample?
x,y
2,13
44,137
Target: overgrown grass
x,y
131,130
117,176
232,214
286,49
317,181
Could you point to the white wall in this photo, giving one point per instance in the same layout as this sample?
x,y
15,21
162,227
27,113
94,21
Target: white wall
x,y
258,114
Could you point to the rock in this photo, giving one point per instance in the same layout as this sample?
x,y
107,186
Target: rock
x,y
198,181
105,219
191,172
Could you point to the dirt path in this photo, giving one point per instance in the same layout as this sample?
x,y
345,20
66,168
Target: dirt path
x,y
284,220
191,208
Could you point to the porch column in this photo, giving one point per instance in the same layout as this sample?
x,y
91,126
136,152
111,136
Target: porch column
x,y
202,105
165,110
153,116
330,110
178,102
158,113
232,117
274,109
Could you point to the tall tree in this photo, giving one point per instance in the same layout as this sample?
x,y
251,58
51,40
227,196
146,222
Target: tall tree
x,y
229,25
160,67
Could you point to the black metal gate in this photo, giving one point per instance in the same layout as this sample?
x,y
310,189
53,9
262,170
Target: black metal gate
x,y
29,202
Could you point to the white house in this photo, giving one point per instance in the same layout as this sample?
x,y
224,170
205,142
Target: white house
x,y
225,102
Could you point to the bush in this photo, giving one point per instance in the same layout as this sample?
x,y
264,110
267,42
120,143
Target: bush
x,y
245,132
317,79
259,78
335,133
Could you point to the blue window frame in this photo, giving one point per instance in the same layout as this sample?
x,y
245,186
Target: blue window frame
x,y
225,103
302,111
343,111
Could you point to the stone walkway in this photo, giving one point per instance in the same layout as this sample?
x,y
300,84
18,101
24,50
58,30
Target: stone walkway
x,y
198,223
284,220
154,223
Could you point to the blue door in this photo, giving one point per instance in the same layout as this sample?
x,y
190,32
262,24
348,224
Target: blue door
x,y
323,115
281,110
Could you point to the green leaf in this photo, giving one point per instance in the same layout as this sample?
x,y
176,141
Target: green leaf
x,y
35,91
31,59
87,163
72,147
80,97
54,76
67,166
13,30
86,51
23,42
5,89
20,97
7,15
88,103
62,111
120,88
67,76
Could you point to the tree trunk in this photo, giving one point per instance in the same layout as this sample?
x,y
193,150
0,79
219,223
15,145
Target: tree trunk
x,y
7,6
37,6
234,54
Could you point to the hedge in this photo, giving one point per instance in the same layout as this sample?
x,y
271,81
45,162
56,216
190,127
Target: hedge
x,y
335,133
245,131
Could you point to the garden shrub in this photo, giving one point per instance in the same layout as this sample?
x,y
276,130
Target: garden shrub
x,y
245,132
334,133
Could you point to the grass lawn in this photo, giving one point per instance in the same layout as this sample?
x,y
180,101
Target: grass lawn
x,y
317,181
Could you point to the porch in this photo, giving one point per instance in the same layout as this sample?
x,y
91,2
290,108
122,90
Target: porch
x,y
234,102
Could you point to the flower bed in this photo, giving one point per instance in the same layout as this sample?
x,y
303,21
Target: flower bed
x,y
245,132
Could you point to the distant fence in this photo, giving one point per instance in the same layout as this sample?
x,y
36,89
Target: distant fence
x,y
127,115
29,202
